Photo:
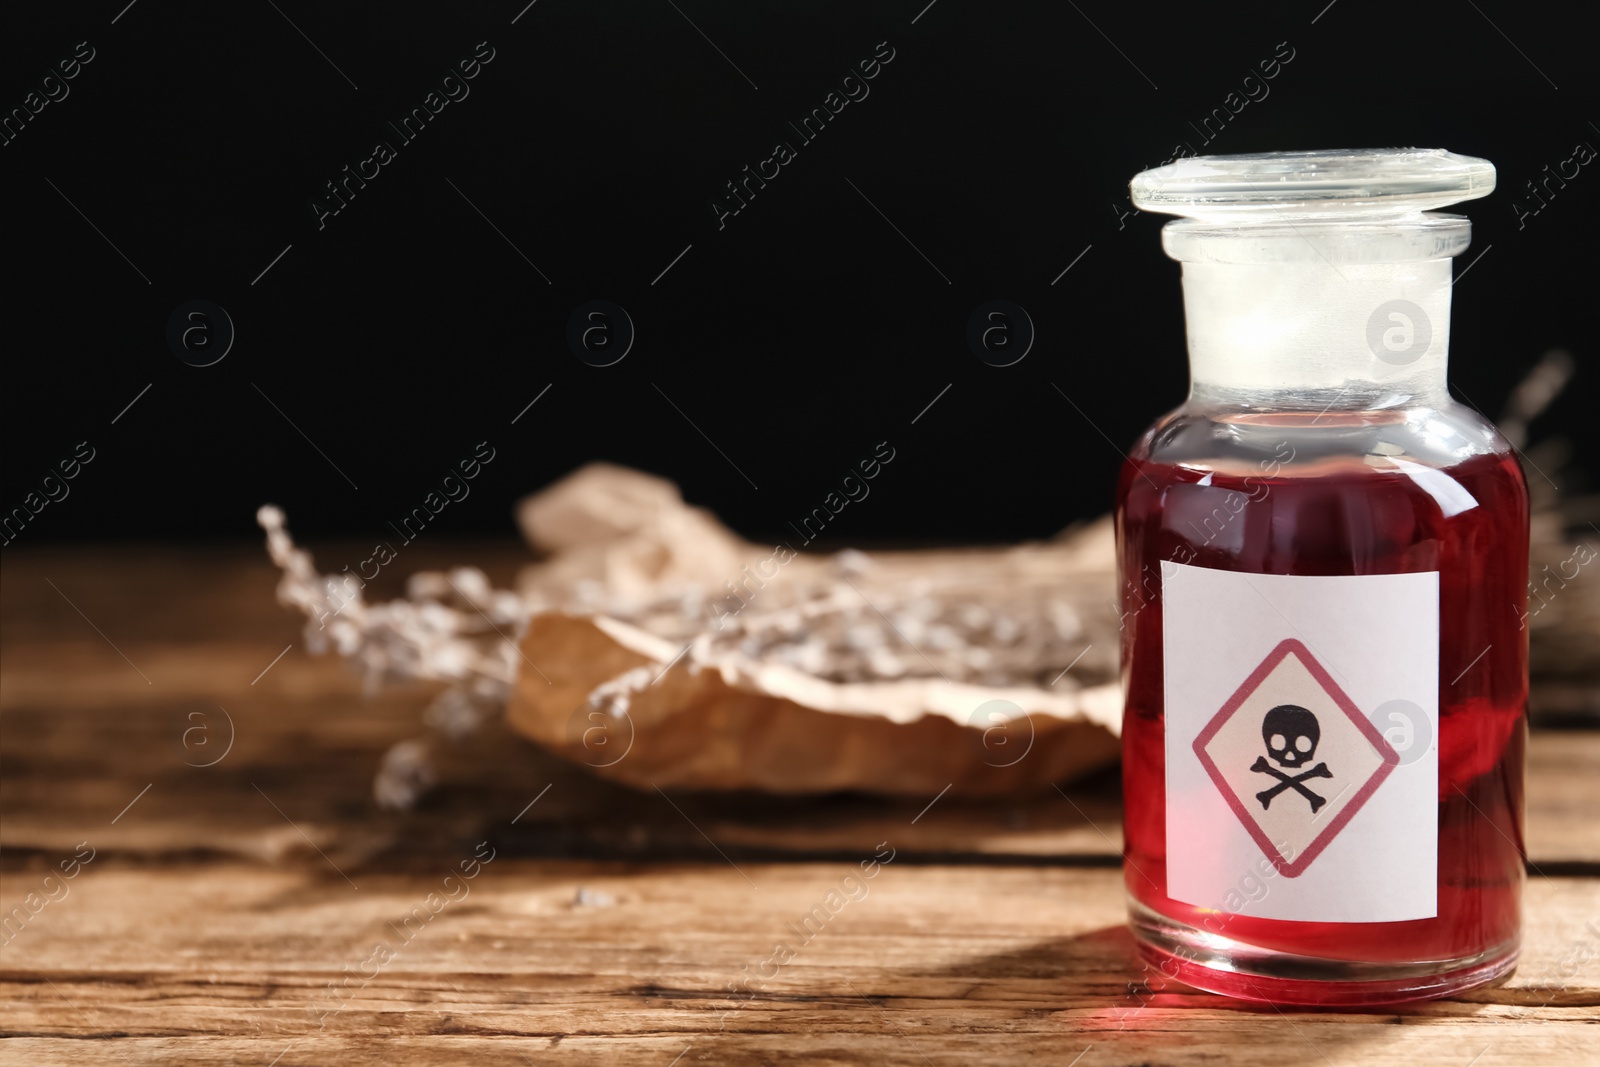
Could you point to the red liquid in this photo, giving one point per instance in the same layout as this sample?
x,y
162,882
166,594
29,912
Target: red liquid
x,y
1348,518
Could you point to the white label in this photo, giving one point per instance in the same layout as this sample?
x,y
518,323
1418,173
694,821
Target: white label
x,y
1301,743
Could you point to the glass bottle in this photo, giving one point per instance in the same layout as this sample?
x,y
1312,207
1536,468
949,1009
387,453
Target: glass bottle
x,y
1323,565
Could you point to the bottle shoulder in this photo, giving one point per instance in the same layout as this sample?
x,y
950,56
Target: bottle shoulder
x,y
1204,437
1430,490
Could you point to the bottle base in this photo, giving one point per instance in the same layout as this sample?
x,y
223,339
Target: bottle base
x,y
1235,969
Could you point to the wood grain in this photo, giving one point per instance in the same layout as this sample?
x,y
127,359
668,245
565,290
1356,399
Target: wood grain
x,y
211,962
611,925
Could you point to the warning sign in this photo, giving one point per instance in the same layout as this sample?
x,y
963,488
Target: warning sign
x,y
1293,756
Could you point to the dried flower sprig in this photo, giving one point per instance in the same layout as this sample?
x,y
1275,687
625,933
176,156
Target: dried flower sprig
x,y
451,627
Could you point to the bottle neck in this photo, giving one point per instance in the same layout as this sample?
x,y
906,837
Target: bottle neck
x,y
1318,334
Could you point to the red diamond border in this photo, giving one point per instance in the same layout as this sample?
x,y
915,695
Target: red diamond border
x,y
1391,758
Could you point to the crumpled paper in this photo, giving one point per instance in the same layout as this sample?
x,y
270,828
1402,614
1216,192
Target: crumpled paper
x,y
680,656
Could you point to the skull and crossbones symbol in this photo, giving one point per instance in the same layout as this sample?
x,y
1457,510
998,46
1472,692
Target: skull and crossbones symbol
x,y
1291,734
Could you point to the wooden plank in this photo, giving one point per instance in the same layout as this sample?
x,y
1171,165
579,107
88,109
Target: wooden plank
x,y
606,962
224,899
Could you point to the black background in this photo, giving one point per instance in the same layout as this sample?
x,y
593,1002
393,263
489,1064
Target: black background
x,y
998,141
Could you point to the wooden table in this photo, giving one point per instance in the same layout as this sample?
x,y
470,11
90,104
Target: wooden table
x,y
262,910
